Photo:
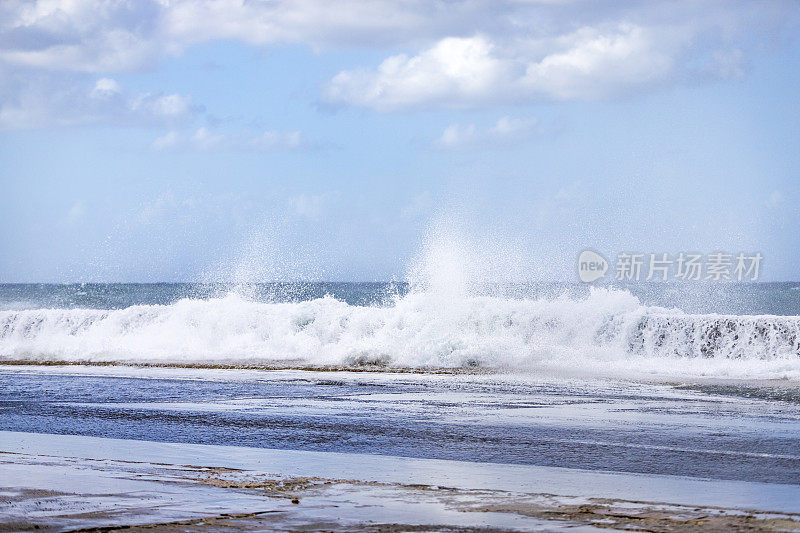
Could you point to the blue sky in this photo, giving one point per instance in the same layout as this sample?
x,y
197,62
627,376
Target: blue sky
x,y
160,141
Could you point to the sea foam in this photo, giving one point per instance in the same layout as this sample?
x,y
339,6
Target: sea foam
x,y
606,332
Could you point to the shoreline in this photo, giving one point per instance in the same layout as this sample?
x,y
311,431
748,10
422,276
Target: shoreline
x,y
695,383
261,366
91,483
198,449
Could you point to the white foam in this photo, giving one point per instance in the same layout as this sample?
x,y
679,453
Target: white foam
x,y
606,333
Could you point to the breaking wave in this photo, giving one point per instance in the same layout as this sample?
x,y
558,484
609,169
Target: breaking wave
x,y
606,332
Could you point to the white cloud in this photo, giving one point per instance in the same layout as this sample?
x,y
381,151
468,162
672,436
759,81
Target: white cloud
x,y
277,140
728,64
584,65
80,35
168,140
604,53
106,36
204,139
457,54
21,115
506,131
173,106
316,22
454,70
597,64
45,100
456,135
106,88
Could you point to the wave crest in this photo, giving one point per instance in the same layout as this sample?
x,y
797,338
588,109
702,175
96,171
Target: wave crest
x,y
607,331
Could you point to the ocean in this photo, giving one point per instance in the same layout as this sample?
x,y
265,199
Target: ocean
x,y
640,331
625,401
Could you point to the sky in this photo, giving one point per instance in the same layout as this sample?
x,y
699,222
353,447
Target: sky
x,y
208,140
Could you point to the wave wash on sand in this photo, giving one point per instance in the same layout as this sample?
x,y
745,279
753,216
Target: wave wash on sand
x,y
606,332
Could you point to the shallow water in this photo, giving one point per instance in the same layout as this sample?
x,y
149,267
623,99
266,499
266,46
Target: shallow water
x,y
589,424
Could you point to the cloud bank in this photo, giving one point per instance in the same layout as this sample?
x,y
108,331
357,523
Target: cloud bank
x,y
44,100
204,140
459,54
506,131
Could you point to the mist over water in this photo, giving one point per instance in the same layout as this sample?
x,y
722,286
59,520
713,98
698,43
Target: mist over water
x,y
454,262
468,301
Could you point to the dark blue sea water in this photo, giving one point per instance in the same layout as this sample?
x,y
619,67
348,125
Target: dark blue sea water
x,y
782,298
